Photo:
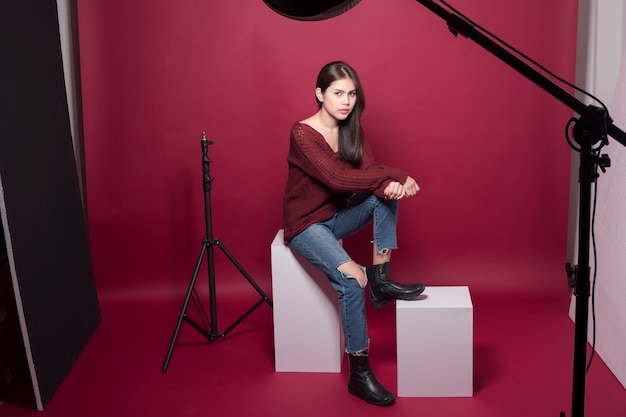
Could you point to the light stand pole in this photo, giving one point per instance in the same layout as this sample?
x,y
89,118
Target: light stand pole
x,y
591,129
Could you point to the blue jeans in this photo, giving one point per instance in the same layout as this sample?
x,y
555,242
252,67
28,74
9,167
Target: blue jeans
x,y
319,244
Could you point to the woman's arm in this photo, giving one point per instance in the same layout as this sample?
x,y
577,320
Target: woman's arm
x,y
310,152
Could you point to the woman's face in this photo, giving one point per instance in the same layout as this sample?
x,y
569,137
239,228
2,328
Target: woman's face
x,y
339,98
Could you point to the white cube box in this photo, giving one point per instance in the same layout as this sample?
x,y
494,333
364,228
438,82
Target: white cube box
x,y
435,344
307,326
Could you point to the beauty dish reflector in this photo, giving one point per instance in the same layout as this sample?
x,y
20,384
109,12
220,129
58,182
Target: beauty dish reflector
x,y
310,10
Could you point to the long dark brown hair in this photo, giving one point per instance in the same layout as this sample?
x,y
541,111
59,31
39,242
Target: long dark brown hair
x,y
350,131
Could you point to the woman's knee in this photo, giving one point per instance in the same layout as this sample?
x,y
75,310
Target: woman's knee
x,y
353,272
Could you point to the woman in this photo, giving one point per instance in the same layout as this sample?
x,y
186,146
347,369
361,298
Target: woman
x,y
334,189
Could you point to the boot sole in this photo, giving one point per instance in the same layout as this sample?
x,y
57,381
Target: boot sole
x,y
378,303
384,403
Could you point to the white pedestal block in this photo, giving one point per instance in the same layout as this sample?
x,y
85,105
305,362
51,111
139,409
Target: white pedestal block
x,y
435,344
307,325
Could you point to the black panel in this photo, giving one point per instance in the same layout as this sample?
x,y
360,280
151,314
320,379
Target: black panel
x,y
45,219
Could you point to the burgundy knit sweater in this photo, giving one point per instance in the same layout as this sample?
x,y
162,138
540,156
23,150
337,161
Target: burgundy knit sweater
x,y
319,181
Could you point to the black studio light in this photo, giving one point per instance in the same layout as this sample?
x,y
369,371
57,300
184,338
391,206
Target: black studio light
x,y
311,10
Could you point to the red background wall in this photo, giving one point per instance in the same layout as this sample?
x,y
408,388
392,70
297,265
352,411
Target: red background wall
x,y
485,144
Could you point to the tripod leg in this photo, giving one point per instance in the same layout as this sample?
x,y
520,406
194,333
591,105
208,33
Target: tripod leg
x,y
181,316
244,273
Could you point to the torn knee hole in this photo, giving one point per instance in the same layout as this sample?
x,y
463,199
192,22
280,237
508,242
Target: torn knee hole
x,y
349,276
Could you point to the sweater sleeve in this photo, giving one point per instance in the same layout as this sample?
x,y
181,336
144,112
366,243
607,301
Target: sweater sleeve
x,y
311,153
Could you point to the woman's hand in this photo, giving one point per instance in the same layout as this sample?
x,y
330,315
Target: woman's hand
x,y
410,187
394,191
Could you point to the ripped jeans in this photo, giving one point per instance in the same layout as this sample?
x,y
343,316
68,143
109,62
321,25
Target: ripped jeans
x,y
319,244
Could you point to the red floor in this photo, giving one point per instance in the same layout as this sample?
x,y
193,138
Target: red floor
x,y
523,351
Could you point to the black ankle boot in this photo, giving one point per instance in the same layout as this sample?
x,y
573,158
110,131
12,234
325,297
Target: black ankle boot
x,y
383,289
364,384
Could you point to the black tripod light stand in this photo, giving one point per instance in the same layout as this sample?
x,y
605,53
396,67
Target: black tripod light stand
x,y
591,130
208,328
